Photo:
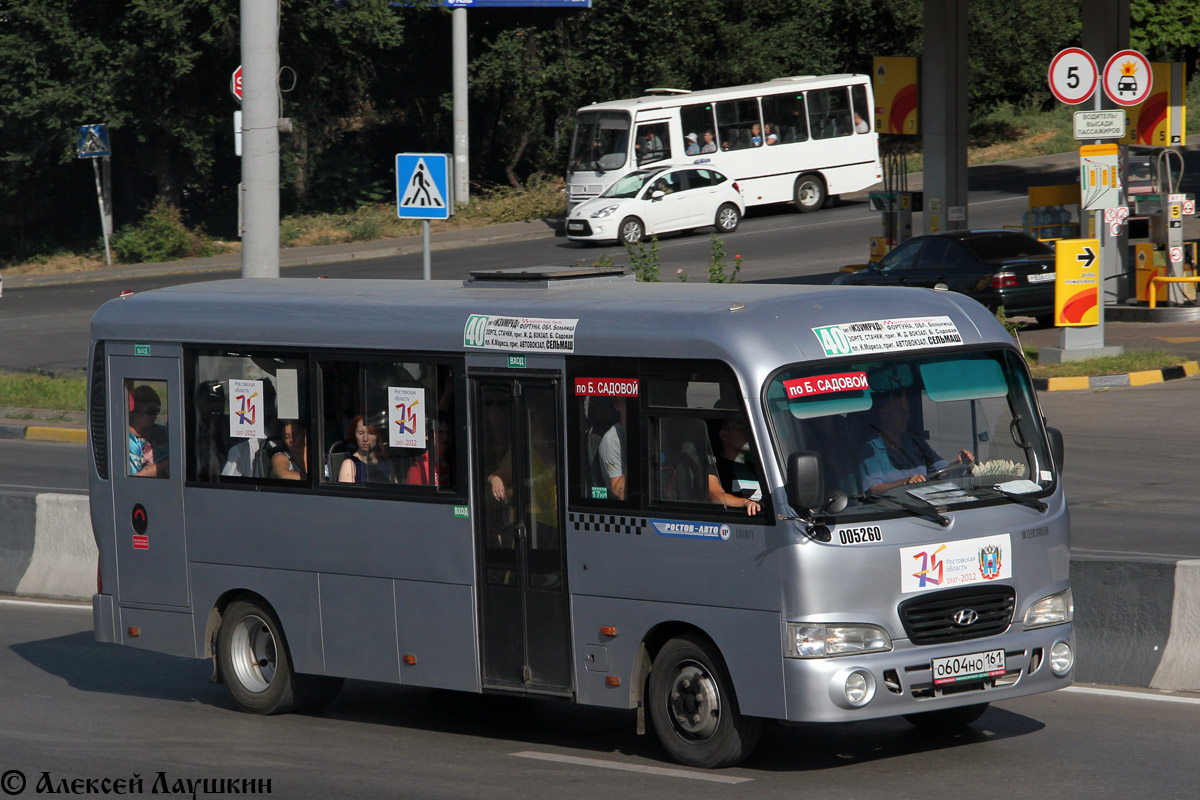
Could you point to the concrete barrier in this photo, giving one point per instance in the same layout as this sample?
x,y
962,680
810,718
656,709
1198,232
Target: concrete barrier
x,y
1137,621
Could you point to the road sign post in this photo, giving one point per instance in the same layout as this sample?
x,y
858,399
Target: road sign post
x,y
424,191
93,143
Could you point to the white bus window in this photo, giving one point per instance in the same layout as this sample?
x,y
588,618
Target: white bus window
x,y
786,116
147,452
738,124
829,113
601,141
653,143
862,112
698,119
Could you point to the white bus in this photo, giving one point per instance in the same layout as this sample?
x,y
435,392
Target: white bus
x,y
800,139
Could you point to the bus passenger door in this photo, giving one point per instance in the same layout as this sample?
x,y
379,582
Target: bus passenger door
x,y
524,608
145,419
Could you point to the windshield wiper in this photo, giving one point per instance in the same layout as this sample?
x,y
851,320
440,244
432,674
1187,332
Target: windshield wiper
x,y
1032,502
924,513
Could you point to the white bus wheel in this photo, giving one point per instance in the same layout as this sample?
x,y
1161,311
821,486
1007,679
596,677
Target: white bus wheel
x,y
810,193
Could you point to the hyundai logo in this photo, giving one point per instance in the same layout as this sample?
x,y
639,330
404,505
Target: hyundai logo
x,y
964,617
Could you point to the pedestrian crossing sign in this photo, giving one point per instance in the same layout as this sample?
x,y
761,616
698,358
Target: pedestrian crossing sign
x,y
92,141
424,187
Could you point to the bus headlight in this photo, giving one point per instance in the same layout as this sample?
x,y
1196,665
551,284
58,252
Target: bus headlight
x,y
824,640
1056,609
604,212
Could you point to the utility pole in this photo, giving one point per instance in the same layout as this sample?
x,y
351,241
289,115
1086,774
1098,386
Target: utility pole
x,y
260,138
458,70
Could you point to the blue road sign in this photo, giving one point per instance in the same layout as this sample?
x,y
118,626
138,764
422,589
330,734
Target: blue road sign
x,y
93,141
423,186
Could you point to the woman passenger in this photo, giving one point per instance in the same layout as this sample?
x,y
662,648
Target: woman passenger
x,y
290,461
365,465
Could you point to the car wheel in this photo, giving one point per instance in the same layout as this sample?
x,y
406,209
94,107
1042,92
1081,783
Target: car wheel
x,y
947,720
810,193
631,231
254,661
693,708
728,218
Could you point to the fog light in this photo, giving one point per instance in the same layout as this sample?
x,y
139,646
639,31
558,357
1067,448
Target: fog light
x,y
1062,658
860,688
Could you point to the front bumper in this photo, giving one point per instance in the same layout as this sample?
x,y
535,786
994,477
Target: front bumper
x,y
904,682
603,229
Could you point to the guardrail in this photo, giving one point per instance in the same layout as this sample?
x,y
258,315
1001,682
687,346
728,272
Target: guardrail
x,y
1162,279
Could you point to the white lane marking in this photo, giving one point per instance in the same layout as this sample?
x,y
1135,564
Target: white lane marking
x,y
49,489
1159,698
1135,554
664,771
15,602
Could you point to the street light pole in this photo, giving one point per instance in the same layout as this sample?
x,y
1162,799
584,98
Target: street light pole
x,y
260,138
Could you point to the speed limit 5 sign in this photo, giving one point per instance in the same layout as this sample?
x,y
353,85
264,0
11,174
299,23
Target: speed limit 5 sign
x,y
1073,75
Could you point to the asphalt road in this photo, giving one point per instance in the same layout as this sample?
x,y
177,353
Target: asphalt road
x,y
76,709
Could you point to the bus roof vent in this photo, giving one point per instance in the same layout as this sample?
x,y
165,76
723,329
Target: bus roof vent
x,y
667,90
544,276
794,78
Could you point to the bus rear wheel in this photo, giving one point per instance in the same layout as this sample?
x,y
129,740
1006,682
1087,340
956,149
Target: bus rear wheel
x,y
810,193
632,231
254,661
693,708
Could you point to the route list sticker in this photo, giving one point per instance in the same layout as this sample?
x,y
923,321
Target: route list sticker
x,y
520,333
887,335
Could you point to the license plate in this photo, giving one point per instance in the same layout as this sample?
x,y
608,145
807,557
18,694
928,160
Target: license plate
x,y
973,667
1041,277
574,226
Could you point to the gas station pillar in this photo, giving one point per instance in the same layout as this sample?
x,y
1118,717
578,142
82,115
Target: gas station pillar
x,y
944,115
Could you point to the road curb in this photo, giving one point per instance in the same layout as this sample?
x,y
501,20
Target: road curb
x,y
1141,378
44,433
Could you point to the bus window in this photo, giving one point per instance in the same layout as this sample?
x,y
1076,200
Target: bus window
x,y
736,121
862,123
234,421
601,141
653,143
147,453
606,419
786,115
387,423
829,113
698,119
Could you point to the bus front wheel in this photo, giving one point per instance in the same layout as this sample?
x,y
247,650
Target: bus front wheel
x,y
693,708
254,661
631,231
810,193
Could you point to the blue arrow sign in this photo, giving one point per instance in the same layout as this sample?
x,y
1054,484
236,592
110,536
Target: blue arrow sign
x,y
93,141
423,186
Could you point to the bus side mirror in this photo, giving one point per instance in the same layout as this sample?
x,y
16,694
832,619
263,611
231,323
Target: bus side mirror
x,y
805,481
1056,446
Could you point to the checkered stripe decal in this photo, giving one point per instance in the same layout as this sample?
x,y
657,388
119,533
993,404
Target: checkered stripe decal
x,y
604,523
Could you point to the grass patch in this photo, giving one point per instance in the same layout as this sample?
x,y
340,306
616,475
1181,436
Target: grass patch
x,y
40,390
1109,365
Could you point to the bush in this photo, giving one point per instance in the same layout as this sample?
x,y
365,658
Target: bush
x,y
160,236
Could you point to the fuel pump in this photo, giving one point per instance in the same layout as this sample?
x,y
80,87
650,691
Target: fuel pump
x,y
896,203
1164,207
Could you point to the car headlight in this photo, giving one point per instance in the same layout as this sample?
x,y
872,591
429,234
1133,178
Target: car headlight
x,y
824,640
1056,609
604,212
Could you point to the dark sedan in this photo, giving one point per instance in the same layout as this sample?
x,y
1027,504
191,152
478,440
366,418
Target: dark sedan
x,y
996,267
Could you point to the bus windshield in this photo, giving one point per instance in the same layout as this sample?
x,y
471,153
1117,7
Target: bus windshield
x,y
631,184
915,432
601,141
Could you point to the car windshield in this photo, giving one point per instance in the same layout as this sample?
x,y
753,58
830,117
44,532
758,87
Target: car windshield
x,y
915,433
1000,246
631,184
601,141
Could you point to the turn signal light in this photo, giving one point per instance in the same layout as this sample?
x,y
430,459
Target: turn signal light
x,y
1002,279
410,660
133,631
608,630
613,680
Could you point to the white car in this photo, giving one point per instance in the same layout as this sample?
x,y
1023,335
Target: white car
x,y
658,200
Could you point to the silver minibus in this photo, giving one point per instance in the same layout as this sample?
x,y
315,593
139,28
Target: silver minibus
x,y
718,505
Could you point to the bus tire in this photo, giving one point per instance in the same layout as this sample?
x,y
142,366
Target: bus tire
x,y
254,661
693,707
947,720
632,231
728,218
809,193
